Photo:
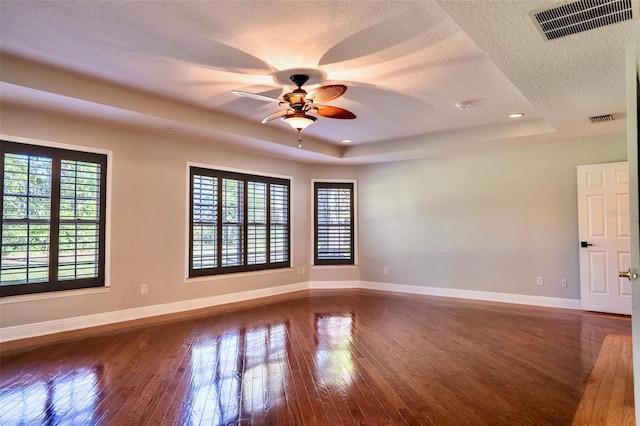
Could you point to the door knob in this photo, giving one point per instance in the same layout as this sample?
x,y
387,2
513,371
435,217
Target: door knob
x,y
584,244
628,274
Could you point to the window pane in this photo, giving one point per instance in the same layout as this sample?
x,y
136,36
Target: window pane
x,y
205,222
257,199
78,251
27,187
80,191
279,241
232,221
26,218
257,244
25,253
79,236
334,223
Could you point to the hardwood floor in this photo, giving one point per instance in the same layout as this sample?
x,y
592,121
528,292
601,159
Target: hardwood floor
x,y
320,358
608,397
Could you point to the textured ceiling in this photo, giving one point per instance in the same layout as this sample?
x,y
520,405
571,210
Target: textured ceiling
x,y
167,65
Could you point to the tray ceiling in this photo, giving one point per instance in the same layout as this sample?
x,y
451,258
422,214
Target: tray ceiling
x,y
172,66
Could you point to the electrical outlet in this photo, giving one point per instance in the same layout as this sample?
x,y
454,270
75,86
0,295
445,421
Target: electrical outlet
x,y
385,270
303,270
143,289
539,281
563,283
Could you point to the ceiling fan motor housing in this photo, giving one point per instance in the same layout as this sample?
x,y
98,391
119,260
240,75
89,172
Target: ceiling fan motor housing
x,y
296,99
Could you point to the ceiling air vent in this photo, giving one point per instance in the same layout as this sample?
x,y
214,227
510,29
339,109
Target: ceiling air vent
x,y
583,15
601,118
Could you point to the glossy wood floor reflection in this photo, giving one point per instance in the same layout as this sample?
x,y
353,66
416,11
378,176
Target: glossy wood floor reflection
x,y
608,397
319,358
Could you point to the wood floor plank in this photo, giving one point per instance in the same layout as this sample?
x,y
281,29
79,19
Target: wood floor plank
x,y
606,380
382,384
618,391
347,357
608,397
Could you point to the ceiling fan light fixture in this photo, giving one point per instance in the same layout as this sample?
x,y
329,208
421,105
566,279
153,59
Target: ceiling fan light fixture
x,y
299,121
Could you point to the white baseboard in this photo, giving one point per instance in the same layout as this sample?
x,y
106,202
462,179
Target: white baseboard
x,y
76,323
489,296
333,285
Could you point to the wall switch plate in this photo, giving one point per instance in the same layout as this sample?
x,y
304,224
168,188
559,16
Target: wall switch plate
x,y
143,289
563,283
539,281
385,270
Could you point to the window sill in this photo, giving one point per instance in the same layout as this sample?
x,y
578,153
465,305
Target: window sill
x,y
52,295
236,275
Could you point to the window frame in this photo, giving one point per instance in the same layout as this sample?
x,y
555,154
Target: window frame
x,y
57,154
245,177
352,185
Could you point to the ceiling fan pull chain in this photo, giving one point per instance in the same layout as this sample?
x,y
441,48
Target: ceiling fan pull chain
x,y
299,138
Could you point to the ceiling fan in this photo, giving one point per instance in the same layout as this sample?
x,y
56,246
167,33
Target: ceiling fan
x,y
300,103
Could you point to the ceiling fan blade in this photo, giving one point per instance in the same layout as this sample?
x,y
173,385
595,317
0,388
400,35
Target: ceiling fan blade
x,y
276,115
333,112
326,93
253,96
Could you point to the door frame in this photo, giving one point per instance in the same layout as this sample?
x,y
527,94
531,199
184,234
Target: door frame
x,y
633,110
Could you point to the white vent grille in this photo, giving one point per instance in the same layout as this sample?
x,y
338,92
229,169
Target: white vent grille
x,y
583,15
601,118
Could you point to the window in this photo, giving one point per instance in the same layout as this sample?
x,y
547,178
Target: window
x,y
334,223
53,219
238,222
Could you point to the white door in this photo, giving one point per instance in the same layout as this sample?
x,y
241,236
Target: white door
x,y
603,217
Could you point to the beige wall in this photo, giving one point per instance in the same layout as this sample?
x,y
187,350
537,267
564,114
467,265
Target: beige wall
x,y
149,217
488,222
